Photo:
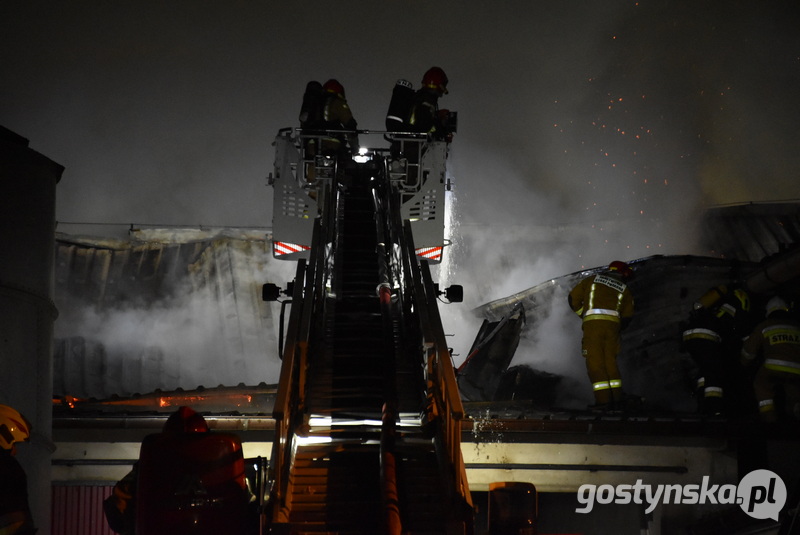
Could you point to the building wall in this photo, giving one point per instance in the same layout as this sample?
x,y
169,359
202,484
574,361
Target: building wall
x,y
27,220
78,509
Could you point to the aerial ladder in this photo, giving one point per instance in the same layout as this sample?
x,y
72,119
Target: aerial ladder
x,y
367,413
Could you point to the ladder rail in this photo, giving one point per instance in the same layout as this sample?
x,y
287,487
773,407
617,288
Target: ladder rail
x,y
290,399
442,385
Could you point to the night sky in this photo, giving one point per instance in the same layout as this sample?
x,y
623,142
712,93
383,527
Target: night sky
x,y
603,123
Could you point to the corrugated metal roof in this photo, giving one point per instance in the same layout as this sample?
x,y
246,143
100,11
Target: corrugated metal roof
x,y
165,311
750,232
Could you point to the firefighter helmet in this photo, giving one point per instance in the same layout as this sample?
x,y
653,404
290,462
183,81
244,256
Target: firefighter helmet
x,y
14,427
333,86
776,304
185,420
622,268
435,78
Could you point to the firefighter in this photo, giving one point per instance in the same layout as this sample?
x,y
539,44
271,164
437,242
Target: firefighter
x,y
425,116
325,109
120,507
605,304
422,116
336,115
719,320
15,513
774,346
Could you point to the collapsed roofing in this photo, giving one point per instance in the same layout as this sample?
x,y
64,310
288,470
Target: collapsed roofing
x,y
756,245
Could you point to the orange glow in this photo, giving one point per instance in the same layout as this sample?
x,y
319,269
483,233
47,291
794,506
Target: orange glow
x,y
236,398
69,401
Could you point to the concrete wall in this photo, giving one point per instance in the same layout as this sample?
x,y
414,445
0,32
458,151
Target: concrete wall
x,y
27,220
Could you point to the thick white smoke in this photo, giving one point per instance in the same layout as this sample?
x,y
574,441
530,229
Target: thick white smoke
x,y
209,326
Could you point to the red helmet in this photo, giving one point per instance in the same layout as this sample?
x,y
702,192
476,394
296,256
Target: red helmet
x,y
435,78
185,420
622,268
333,86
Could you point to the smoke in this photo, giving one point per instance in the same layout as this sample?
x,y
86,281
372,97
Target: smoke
x,y
621,162
553,346
602,174
204,325
172,343
588,131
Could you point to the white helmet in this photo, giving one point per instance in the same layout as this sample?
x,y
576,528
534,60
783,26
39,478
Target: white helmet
x,y
776,304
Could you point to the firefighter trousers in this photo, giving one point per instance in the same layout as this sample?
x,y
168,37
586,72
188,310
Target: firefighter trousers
x,y
771,384
600,346
716,390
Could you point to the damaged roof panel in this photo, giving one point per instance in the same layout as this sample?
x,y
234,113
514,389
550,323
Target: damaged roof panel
x,y
161,313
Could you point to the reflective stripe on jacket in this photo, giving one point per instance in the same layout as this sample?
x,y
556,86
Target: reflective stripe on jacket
x,y
777,340
704,334
601,297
